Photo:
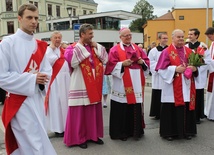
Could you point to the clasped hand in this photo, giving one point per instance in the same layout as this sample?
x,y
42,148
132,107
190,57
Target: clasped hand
x,y
42,78
182,68
129,62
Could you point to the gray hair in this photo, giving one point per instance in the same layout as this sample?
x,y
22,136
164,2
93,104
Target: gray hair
x,y
55,32
84,28
175,31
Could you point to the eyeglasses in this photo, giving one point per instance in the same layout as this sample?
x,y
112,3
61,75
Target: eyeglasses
x,y
127,35
164,38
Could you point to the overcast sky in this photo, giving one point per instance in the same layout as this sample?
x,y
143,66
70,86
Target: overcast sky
x,y
160,6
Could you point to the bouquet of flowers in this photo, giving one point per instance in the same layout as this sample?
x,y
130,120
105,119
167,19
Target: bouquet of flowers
x,y
196,60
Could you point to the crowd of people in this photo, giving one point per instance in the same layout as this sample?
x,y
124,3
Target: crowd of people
x,y
60,87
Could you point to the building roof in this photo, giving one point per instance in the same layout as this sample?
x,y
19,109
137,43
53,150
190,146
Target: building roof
x,y
119,14
123,15
165,16
90,1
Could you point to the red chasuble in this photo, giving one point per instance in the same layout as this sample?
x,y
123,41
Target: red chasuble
x,y
56,68
14,101
93,82
177,83
129,90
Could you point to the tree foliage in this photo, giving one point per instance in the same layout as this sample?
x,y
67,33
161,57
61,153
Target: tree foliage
x,y
144,9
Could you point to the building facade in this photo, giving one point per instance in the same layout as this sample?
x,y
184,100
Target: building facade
x,y
183,19
49,10
54,15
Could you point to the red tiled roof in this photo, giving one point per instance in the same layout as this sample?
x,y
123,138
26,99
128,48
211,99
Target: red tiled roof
x,y
165,16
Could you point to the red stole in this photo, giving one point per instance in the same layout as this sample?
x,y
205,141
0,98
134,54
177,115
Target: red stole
x,y
14,101
56,68
93,82
177,83
130,94
211,76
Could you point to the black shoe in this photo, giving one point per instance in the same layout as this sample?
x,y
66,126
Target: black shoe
x,y
198,121
188,137
105,106
123,139
83,145
99,141
59,134
169,138
157,117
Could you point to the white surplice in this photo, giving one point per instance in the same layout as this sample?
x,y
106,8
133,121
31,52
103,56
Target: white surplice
x,y
153,56
201,79
167,95
118,90
58,99
77,90
209,103
28,123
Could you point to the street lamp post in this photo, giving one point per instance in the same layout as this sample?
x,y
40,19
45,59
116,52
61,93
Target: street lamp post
x,y
69,10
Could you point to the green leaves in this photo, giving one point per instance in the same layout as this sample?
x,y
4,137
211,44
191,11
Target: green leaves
x,y
143,8
196,60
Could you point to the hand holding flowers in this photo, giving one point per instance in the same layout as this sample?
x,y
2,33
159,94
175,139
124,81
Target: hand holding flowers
x,y
194,60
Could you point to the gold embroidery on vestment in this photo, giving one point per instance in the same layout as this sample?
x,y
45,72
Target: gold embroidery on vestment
x,y
129,90
173,55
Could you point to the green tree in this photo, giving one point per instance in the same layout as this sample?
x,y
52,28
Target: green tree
x,y
143,8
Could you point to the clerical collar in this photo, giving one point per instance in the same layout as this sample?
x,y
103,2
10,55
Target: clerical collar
x,y
126,45
194,42
194,45
161,48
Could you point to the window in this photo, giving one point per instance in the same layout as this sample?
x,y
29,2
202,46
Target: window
x,y
9,5
58,11
145,38
37,29
181,17
10,27
49,10
84,12
91,12
36,4
74,12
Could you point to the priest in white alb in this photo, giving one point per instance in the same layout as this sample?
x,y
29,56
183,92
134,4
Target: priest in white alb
x,y
56,101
